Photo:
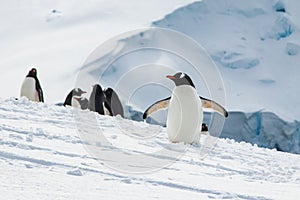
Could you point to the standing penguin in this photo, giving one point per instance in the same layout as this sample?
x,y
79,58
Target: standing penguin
x,y
71,100
204,129
97,100
185,113
31,87
113,103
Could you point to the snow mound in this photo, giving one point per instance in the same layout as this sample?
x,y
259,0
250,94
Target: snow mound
x,y
75,172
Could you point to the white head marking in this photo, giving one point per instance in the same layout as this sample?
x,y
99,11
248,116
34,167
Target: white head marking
x,y
182,75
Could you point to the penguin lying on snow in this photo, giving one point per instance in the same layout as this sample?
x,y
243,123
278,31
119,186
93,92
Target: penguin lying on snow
x,y
74,99
105,102
185,113
31,87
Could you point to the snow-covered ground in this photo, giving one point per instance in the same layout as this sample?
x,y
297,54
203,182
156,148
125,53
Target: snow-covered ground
x,y
42,156
255,45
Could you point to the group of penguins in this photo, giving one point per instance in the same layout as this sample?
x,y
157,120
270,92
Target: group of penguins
x,y
104,102
185,106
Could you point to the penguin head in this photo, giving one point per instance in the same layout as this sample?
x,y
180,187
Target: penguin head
x,y
181,78
32,73
78,92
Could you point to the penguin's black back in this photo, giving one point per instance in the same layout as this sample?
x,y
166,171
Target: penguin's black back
x,y
68,100
113,102
97,99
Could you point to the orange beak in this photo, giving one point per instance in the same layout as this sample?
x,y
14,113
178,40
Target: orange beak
x,y
170,77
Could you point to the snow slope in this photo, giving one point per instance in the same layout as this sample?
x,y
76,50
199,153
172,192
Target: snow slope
x,y
256,46
42,156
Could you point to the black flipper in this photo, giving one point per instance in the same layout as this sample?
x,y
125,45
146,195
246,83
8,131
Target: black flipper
x,y
39,89
68,100
162,104
206,103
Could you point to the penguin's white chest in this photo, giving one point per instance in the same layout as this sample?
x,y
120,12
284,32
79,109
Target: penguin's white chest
x,y
185,115
74,102
28,89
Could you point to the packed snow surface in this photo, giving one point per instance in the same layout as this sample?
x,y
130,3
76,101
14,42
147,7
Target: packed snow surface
x,y
42,156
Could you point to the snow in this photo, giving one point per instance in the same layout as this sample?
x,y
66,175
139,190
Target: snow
x,y
254,44
53,152
43,156
57,36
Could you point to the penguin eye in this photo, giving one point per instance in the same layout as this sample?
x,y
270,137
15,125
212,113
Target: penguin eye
x,y
182,75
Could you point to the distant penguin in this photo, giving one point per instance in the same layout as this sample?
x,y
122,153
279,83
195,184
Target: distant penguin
x,y
31,87
113,103
185,113
204,129
76,92
97,100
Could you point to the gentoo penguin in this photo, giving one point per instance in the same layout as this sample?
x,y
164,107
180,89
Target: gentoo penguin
x,y
185,113
113,103
204,129
31,87
97,100
82,101
76,92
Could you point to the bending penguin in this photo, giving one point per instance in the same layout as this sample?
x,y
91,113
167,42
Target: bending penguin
x,y
31,87
83,102
74,99
185,113
113,103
